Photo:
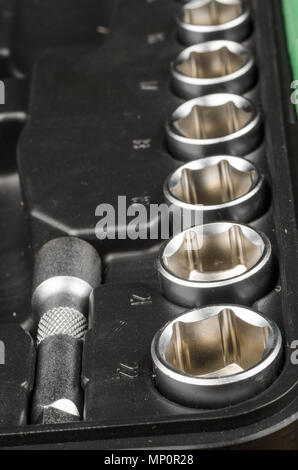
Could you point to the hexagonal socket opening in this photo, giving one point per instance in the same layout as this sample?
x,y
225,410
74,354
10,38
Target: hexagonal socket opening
x,y
212,122
212,64
210,253
219,346
214,184
212,13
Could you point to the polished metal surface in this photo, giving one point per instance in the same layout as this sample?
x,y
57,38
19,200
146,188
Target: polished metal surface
x,y
217,124
221,188
61,290
218,257
212,13
213,63
212,122
204,20
219,346
215,66
216,356
220,261
214,184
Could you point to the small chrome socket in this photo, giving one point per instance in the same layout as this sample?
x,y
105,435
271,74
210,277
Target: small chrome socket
x,y
216,356
217,262
214,66
218,188
205,20
217,124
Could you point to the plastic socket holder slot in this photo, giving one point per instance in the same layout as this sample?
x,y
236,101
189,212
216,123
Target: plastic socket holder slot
x,y
213,66
216,356
217,124
205,20
218,188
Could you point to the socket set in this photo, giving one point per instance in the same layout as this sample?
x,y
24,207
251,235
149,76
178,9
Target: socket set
x,y
185,341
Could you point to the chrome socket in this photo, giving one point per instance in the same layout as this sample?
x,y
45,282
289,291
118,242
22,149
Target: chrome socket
x,y
218,188
216,356
217,124
206,20
215,66
216,262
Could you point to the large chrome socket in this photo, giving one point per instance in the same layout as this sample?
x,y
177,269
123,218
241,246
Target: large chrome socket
x,y
217,262
215,66
216,356
218,188
206,20
217,124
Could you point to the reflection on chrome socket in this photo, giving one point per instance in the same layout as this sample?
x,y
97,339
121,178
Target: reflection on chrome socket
x,y
215,66
206,20
220,262
217,124
220,188
216,356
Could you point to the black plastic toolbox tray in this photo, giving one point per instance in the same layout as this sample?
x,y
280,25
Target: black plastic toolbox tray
x,y
17,360
33,26
122,406
15,259
120,117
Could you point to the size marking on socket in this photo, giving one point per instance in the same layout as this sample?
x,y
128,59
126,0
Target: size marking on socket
x,y
141,144
128,371
140,300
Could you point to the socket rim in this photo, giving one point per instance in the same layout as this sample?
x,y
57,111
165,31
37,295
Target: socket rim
x,y
270,355
211,46
185,108
203,163
245,15
262,262
217,392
